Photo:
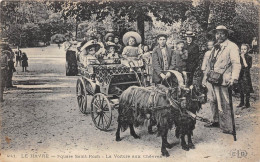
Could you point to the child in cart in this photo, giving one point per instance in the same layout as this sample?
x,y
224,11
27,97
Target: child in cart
x,y
132,52
111,53
88,51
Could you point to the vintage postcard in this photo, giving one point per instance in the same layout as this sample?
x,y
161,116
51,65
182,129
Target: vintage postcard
x,y
130,80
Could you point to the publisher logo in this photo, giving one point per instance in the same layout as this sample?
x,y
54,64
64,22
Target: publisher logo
x,y
238,153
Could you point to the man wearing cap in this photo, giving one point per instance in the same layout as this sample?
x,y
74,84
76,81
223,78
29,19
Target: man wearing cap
x,y
162,60
192,62
224,59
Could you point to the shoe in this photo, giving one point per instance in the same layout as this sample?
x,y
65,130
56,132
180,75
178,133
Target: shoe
x,y
247,105
240,105
215,124
227,132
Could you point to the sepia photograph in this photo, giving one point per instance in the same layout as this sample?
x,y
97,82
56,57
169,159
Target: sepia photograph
x,y
129,80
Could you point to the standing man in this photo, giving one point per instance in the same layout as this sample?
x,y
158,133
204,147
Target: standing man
x,y
162,60
193,60
224,59
18,55
11,69
71,61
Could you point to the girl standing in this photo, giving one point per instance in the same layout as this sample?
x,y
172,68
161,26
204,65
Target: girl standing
x,y
244,81
24,61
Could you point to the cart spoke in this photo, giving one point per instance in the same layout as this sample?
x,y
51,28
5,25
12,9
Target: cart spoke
x,y
104,108
96,107
99,100
99,119
96,102
105,119
102,122
107,116
96,117
102,102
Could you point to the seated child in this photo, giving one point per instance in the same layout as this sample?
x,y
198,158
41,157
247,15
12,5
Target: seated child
x,y
88,51
111,51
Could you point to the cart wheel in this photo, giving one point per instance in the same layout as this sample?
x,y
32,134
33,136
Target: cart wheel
x,y
81,96
101,111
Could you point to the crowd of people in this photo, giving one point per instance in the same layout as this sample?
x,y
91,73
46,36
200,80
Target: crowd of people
x,y
225,66
7,65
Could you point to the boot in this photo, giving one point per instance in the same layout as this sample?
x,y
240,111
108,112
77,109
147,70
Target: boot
x,y
241,100
247,101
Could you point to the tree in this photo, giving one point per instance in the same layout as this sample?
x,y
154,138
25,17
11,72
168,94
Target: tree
x,y
166,11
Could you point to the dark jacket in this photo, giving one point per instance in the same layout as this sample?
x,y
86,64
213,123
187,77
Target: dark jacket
x,y
24,60
245,84
193,61
179,59
158,65
193,57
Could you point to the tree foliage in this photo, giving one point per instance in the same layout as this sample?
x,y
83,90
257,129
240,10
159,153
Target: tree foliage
x,y
166,11
26,23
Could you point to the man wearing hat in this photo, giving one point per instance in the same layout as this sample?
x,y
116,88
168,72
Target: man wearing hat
x,y
162,60
225,60
193,55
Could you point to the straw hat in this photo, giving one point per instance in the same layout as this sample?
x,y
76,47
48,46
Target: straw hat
x,y
189,34
132,34
109,35
90,44
221,27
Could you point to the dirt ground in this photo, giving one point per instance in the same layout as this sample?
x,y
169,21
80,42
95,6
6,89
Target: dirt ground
x,y
41,121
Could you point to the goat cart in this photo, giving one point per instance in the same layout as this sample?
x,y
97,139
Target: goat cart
x,y
104,83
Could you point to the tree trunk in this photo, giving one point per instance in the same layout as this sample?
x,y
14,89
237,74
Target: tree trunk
x,y
140,26
76,36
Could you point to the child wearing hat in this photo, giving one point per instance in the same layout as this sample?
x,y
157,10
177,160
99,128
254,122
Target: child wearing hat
x,y
109,38
111,51
88,51
131,40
